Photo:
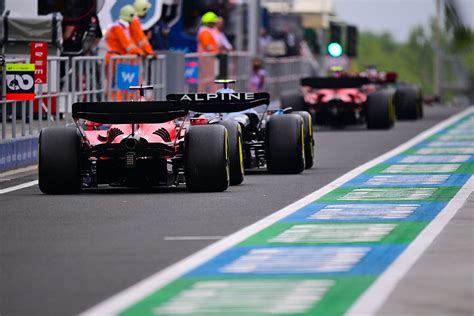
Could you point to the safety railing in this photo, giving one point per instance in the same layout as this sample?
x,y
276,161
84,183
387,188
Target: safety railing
x,y
52,98
202,69
239,67
154,74
284,74
150,71
91,79
88,80
70,80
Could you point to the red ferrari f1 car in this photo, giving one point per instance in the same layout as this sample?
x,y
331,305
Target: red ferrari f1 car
x,y
343,101
149,143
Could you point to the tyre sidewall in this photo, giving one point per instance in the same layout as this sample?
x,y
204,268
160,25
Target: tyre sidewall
x,y
59,160
380,111
285,144
236,157
206,158
308,138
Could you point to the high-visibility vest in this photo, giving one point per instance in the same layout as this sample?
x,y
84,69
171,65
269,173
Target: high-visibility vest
x,y
139,37
207,42
119,41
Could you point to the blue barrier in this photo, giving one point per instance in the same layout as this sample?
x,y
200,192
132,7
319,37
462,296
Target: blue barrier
x,y
18,152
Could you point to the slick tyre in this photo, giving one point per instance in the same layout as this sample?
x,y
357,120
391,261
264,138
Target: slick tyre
x,y
408,103
308,138
285,144
236,156
294,100
380,112
206,158
59,159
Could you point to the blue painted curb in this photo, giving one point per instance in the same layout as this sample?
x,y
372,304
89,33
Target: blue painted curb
x,y
18,152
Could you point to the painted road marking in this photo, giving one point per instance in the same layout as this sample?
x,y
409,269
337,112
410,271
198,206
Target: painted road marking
x,y
364,211
451,144
19,187
454,150
247,297
372,179
334,233
460,131
422,168
372,300
457,137
287,260
389,194
375,270
407,180
436,159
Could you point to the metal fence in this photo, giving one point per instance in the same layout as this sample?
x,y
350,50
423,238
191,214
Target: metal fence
x,y
284,74
90,79
202,69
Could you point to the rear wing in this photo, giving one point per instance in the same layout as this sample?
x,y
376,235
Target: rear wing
x,y
334,83
220,102
128,112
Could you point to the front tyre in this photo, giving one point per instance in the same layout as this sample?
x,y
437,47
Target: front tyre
x,y
236,156
308,138
285,144
59,157
206,158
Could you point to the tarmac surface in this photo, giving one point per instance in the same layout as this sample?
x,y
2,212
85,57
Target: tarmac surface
x,y
61,255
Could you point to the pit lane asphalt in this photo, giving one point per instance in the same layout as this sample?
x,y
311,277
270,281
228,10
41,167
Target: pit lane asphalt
x,y
60,255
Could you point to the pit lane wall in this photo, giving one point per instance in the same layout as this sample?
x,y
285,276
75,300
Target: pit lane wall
x,y
18,152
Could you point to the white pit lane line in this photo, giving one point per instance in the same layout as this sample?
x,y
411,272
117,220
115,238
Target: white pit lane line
x,y
367,304
19,187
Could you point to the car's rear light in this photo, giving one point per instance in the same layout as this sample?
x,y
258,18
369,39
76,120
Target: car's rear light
x,y
199,121
130,159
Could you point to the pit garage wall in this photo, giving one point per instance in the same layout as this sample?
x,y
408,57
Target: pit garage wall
x,y
18,152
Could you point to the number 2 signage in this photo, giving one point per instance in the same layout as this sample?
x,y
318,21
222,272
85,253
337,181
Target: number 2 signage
x,y
20,79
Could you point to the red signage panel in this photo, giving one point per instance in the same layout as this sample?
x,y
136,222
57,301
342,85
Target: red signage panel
x,y
39,57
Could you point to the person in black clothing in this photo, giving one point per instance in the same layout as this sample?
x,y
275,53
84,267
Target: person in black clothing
x,y
81,27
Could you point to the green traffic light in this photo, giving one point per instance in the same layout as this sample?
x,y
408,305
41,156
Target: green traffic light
x,y
334,49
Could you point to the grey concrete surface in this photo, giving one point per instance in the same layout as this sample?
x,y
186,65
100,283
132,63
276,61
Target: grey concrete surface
x,y
62,254
441,283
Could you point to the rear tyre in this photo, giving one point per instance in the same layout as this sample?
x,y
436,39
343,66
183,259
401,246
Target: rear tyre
x,y
236,155
294,100
380,112
408,103
285,144
206,158
308,138
59,157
